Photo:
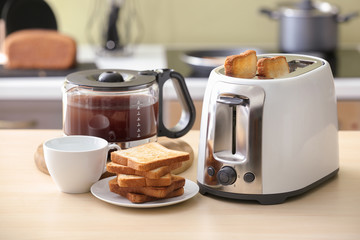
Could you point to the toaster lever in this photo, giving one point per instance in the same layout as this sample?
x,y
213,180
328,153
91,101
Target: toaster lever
x,y
232,101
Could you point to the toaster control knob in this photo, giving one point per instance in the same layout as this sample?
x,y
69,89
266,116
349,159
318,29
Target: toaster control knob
x,y
211,171
226,175
249,177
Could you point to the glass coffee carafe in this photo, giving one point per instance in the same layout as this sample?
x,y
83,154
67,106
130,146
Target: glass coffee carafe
x,y
123,106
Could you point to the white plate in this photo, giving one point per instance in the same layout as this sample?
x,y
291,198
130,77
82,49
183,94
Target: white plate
x,y
101,190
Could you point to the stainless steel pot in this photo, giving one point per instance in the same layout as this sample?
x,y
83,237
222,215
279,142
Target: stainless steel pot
x,y
308,26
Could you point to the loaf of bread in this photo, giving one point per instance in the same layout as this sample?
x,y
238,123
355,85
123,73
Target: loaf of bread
x,y
148,156
274,67
242,65
39,49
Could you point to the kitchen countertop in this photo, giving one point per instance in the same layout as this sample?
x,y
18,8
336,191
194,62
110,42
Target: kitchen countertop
x,y
31,207
144,57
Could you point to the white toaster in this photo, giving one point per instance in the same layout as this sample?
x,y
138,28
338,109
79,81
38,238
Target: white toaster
x,y
269,139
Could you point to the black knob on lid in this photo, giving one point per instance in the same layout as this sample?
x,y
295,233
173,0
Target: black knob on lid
x,y
110,76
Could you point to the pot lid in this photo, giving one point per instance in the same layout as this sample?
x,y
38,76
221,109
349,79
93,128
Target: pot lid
x,y
113,79
308,8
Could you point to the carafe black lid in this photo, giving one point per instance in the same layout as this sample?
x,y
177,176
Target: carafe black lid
x,y
113,79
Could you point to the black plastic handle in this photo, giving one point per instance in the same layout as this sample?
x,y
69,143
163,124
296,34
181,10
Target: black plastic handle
x,y
271,14
347,17
188,114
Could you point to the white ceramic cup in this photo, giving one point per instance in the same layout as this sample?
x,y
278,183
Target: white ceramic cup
x,y
76,162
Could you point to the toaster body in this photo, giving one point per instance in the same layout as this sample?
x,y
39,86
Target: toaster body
x,y
269,139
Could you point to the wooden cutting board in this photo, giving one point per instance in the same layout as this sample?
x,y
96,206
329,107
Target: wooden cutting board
x,y
175,144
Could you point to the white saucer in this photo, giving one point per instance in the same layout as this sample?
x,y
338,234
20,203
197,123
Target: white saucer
x,y
101,190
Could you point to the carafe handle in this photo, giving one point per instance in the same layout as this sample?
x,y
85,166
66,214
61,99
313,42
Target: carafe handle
x,y
188,114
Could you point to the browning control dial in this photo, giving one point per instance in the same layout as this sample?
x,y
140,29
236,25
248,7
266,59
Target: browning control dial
x,y
226,175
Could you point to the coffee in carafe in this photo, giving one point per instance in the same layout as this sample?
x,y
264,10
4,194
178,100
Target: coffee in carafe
x,y
120,119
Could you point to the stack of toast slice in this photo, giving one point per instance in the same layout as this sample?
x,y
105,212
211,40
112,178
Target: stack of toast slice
x,y
143,173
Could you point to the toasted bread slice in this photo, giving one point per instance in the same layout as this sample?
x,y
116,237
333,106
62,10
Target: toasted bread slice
x,y
158,192
141,198
274,67
148,156
125,180
152,174
242,65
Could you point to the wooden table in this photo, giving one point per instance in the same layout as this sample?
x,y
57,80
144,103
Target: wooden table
x,y
31,207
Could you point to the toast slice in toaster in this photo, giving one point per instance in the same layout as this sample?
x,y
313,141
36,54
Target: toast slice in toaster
x,y
242,65
274,67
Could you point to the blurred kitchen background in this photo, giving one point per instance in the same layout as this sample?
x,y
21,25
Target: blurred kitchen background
x,y
164,33
188,22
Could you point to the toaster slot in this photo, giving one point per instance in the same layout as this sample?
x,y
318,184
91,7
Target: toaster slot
x,y
298,64
295,64
231,129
